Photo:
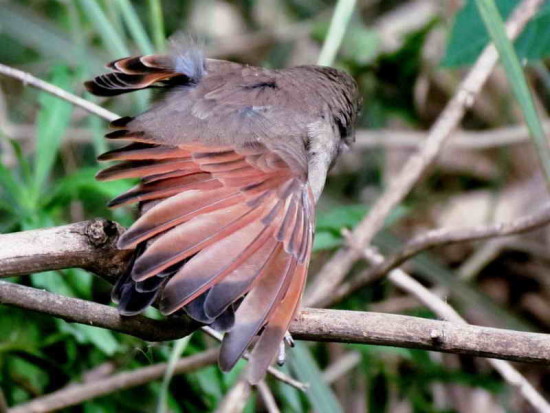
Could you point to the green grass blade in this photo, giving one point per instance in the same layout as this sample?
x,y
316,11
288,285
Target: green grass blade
x,y
10,189
34,31
495,26
111,38
337,30
135,27
53,119
157,24
320,395
178,349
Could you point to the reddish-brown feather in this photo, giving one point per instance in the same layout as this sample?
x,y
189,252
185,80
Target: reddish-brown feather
x,y
136,151
267,290
211,265
165,188
267,346
177,210
185,240
242,220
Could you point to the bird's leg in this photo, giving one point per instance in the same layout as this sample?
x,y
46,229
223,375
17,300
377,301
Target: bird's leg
x,y
287,341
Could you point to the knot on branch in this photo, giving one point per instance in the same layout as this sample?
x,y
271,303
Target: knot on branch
x,y
102,232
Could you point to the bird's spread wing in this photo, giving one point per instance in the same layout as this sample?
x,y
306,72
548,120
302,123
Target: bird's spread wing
x,y
222,228
227,212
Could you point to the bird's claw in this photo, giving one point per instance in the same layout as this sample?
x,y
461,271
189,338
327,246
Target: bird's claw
x,y
287,341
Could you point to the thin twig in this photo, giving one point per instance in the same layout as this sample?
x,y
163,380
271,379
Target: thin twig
x,y
33,81
441,237
278,374
474,140
442,309
334,271
235,400
267,397
76,394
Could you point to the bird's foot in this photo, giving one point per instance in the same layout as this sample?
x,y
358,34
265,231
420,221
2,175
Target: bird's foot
x,y
287,341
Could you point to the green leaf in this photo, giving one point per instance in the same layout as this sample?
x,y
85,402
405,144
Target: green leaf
x,y
326,240
338,25
52,281
319,393
178,349
157,23
111,37
34,31
469,35
17,332
330,223
289,396
360,44
53,119
516,77
103,340
135,27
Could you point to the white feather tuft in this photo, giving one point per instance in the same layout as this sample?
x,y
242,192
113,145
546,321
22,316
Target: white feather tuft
x,y
188,56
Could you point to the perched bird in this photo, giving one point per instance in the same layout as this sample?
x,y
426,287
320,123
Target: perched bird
x,y
231,161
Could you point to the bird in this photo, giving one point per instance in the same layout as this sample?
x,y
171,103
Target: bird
x,y
231,160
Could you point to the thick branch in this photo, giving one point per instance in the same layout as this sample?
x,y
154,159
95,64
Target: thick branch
x,y
89,245
311,324
87,312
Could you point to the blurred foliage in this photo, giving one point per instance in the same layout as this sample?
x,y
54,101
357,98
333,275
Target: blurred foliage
x,y
469,36
48,167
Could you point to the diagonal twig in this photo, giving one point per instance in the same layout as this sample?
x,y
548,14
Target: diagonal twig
x,y
33,81
78,393
436,238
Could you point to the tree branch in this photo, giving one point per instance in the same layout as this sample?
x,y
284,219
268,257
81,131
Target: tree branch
x,y
75,310
89,245
334,271
33,81
437,238
78,393
310,324
472,140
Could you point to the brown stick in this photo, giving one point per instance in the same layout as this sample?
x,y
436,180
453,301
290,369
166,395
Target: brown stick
x,y
89,245
30,80
334,271
76,394
75,310
311,324
436,238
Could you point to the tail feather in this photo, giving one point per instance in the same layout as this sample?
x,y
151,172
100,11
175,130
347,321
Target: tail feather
x,y
181,67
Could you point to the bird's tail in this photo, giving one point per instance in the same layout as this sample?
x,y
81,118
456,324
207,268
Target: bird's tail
x,y
184,65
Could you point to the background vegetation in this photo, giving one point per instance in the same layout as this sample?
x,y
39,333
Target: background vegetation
x,y
408,57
